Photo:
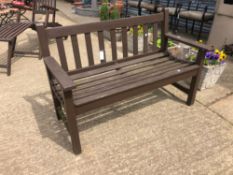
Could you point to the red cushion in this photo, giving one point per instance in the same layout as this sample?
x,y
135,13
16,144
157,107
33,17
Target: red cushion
x,y
18,3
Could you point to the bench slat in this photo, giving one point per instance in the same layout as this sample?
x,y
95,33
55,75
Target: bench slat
x,y
104,25
113,44
115,66
135,40
124,42
101,45
155,36
62,55
145,38
75,47
89,49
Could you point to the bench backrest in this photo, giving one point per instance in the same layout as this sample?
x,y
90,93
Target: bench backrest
x,y
157,22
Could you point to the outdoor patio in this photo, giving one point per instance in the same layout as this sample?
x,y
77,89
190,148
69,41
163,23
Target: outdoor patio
x,y
155,133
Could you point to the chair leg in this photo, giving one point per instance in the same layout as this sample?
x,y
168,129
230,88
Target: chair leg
x,y
177,25
193,26
186,25
171,22
200,30
71,122
193,90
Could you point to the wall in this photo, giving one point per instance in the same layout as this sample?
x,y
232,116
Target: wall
x,y
222,29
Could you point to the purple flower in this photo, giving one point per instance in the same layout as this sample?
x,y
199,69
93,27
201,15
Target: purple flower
x,y
209,55
215,56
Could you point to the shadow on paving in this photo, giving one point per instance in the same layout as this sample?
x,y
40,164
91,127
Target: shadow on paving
x,y
49,127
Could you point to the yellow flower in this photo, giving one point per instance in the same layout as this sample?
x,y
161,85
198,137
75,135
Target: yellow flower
x,y
200,41
222,56
217,51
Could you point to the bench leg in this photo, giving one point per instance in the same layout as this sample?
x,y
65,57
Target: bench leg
x,y
11,49
71,122
193,90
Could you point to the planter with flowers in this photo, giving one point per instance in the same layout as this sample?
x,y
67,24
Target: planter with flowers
x,y
214,65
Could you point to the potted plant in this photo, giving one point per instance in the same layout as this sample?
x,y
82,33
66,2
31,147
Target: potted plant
x,y
109,12
214,65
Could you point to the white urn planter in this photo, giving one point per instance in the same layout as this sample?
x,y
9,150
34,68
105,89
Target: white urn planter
x,y
107,35
210,75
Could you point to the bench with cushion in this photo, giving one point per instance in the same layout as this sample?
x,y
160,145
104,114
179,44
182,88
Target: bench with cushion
x,y
81,89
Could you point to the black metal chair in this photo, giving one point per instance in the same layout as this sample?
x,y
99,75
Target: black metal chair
x,y
131,4
174,8
44,7
197,12
151,6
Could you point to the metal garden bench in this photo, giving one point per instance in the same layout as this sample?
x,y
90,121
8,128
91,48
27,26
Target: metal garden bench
x,y
79,90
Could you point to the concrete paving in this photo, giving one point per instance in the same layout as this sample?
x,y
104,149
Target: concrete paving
x,y
155,133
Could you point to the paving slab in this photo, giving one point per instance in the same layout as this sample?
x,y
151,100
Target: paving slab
x,y
224,108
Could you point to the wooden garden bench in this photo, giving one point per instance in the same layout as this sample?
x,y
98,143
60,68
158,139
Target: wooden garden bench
x,y
83,89
9,33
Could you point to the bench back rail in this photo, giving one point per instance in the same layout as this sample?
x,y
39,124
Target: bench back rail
x,y
154,22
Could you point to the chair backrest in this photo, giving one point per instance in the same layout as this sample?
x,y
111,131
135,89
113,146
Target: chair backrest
x,y
90,37
38,3
200,5
38,8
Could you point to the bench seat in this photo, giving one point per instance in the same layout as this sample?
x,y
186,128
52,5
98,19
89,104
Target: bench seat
x,y
105,82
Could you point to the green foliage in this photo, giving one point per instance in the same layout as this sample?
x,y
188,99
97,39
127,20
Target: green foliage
x,y
114,14
104,11
159,42
140,30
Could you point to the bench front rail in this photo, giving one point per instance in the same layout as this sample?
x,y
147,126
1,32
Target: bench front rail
x,y
76,91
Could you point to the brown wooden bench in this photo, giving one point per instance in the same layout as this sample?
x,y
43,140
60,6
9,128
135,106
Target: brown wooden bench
x,y
87,88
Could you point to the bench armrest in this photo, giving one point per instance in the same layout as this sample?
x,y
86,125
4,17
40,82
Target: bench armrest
x,y
59,74
189,42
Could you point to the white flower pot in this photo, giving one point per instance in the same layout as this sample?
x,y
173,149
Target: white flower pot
x,y
107,35
210,75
